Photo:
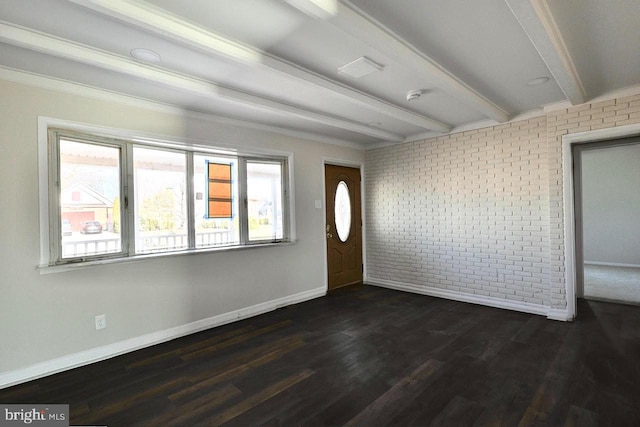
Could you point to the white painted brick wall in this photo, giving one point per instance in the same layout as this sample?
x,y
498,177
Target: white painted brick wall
x,y
481,211
462,212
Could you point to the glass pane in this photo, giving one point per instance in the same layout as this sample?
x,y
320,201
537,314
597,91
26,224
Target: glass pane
x,y
89,199
264,200
342,211
211,232
161,200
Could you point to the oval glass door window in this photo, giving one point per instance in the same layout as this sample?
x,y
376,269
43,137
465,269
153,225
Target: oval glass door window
x,y
342,213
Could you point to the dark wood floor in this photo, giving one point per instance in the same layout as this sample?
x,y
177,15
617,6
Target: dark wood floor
x,y
373,357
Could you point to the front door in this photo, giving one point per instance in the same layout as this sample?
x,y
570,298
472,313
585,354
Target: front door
x,y
344,226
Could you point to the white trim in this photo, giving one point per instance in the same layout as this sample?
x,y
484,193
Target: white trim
x,y
483,124
342,162
561,314
43,190
132,259
614,94
411,138
569,228
554,314
382,144
291,219
618,93
612,264
568,198
97,354
50,83
557,106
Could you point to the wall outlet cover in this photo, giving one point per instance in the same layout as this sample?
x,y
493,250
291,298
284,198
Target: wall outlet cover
x,y
101,321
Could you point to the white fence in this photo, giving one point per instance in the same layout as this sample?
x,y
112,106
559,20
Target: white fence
x,y
144,244
74,248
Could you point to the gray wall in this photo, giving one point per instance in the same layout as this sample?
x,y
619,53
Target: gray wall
x,y
611,204
49,316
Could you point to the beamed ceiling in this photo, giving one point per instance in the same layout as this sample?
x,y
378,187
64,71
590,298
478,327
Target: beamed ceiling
x,y
277,63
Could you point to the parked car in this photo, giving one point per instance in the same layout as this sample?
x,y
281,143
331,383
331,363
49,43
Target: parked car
x,y
66,227
91,227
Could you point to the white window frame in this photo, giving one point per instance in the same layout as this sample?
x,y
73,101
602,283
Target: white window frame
x,y
51,130
244,231
54,137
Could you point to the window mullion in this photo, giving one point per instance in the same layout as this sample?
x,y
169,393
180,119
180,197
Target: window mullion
x,y
191,226
128,189
243,216
55,242
286,215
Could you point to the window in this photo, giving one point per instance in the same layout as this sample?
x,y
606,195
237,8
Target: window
x,y
116,198
213,228
160,207
90,177
264,200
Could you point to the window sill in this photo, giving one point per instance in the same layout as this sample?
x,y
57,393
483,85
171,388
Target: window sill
x,y
72,266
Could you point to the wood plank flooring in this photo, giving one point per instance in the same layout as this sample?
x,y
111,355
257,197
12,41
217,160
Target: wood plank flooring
x,y
370,356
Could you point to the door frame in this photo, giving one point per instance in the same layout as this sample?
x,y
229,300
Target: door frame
x,y
349,164
571,245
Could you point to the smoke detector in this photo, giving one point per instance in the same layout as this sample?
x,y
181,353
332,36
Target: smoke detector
x,y
412,95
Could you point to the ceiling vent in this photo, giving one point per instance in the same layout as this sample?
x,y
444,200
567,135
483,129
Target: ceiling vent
x,y
360,67
414,95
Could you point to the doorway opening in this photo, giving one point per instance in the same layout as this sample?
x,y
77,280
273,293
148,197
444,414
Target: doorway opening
x,y
573,251
606,179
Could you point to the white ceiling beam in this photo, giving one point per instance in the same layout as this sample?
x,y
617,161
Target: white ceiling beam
x,y
354,21
322,9
159,21
61,48
536,20
71,87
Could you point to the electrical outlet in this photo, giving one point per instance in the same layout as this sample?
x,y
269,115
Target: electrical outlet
x,y
101,321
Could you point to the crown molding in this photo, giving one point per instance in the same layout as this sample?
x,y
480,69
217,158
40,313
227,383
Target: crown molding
x,y
483,124
614,94
618,93
73,88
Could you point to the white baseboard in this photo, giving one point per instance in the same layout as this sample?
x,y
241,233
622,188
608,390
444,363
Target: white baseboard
x,y
97,354
612,264
561,314
554,314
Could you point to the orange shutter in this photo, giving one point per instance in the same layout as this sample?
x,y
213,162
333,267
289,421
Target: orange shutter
x,y
219,190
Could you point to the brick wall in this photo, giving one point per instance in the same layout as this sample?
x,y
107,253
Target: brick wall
x,y
479,212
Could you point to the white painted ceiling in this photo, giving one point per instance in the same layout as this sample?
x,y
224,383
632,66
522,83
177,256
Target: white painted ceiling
x,y
275,62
